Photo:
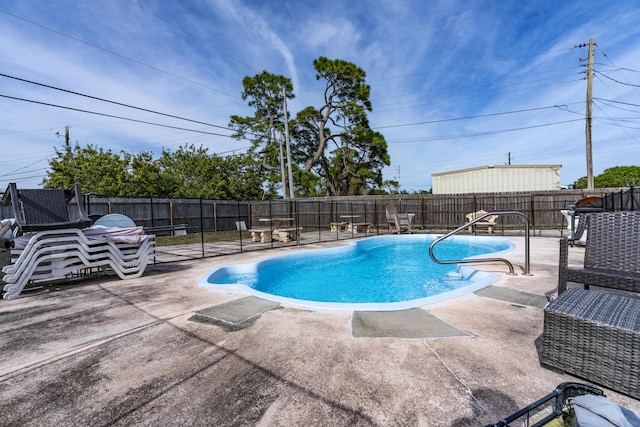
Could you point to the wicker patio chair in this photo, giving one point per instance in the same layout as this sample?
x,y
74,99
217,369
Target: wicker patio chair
x,y
46,209
612,253
580,230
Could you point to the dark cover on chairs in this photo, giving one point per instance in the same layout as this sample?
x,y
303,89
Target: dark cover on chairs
x,y
46,209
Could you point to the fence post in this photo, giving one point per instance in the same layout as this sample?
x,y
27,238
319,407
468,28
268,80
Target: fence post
x,y
152,217
271,218
215,217
375,216
171,215
621,200
239,219
202,227
320,221
533,213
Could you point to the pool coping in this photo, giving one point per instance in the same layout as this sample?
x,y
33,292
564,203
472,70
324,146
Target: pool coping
x,y
480,278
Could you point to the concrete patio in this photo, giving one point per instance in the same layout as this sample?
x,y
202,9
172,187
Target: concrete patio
x,y
139,352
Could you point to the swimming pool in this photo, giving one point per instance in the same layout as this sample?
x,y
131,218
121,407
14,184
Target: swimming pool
x,y
377,273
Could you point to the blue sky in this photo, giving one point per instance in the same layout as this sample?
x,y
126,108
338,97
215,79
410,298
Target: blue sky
x,y
454,84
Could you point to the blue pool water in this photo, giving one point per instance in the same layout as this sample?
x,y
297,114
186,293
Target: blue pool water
x,y
384,272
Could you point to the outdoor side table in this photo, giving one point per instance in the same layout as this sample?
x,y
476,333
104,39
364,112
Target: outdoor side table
x,y
594,335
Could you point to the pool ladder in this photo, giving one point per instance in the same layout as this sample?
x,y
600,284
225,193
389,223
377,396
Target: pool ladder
x,y
486,260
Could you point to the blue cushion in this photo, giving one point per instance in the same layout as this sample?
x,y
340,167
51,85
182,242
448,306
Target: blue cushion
x,y
115,220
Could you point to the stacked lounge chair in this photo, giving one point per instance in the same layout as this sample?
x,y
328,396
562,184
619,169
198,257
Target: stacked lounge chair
x,y
398,222
56,245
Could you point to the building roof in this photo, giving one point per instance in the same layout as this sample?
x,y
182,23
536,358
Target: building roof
x,y
497,167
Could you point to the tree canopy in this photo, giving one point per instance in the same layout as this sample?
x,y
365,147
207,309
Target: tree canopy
x,y
265,128
346,154
617,176
189,172
333,150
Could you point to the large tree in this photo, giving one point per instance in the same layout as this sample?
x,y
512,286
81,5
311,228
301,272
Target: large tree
x,y
338,142
265,92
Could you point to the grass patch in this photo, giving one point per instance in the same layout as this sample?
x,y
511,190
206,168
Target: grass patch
x,y
196,238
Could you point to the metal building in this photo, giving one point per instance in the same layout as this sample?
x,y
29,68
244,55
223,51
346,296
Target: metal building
x,y
497,179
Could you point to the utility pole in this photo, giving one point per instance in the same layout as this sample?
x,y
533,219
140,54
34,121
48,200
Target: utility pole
x,y
288,145
67,147
283,177
590,183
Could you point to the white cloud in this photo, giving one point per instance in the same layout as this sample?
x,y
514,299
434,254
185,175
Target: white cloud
x,y
425,61
253,22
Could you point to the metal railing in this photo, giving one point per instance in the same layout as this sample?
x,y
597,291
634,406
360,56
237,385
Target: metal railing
x,y
486,260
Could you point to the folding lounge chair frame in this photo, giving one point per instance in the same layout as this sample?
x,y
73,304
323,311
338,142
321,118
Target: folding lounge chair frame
x,y
59,245
397,221
45,209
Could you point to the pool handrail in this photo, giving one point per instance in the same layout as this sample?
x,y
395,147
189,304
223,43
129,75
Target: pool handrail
x,y
486,260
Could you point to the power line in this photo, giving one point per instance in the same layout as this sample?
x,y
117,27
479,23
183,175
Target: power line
x,y
23,178
495,132
617,81
616,68
114,102
617,102
618,125
609,59
477,94
115,53
113,116
471,117
16,171
10,174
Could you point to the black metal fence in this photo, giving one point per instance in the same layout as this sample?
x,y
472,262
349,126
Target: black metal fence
x,y
220,227
432,212
199,228
622,200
